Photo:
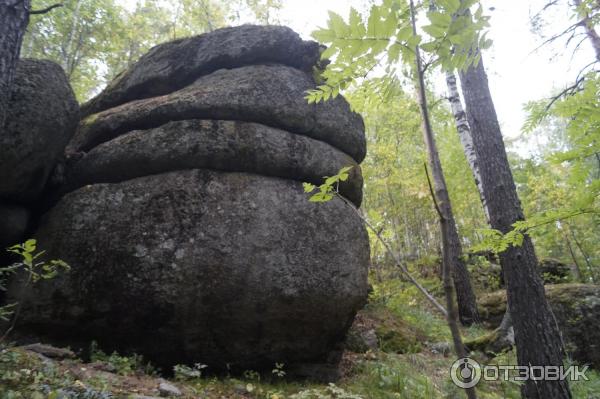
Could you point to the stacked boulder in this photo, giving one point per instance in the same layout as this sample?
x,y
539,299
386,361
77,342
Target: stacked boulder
x,y
41,119
183,217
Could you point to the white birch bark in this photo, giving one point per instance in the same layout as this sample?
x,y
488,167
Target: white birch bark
x,y
464,133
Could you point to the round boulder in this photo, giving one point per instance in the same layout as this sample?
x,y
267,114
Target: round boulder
x,y
226,269
41,118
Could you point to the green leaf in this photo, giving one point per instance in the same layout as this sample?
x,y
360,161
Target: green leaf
x,y
323,35
435,31
440,20
404,33
336,23
373,22
30,245
308,187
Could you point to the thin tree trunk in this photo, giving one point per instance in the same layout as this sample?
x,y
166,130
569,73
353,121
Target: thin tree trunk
x,y
576,269
206,8
467,304
66,64
591,33
589,265
536,334
14,17
394,219
450,243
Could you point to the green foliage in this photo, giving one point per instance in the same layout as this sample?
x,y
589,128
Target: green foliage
x,y
278,370
24,376
404,301
385,38
37,270
560,185
183,372
34,268
329,188
397,199
94,40
123,365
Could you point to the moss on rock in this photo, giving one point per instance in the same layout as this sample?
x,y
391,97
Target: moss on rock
x,y
577,311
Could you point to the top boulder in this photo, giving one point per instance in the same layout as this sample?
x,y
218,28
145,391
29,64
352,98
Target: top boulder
x,y
173,65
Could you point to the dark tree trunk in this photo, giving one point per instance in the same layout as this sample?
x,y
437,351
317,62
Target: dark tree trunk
x,y
536,334
14,17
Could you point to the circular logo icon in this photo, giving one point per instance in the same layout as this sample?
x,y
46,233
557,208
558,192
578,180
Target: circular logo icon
x,y
465,373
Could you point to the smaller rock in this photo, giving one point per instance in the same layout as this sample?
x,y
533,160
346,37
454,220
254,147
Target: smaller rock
x,y
360,340
241,389
167,389
143,397
442,348
50,351
554,271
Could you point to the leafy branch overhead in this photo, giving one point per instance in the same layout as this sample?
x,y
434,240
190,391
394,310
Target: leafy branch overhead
x,y
385,39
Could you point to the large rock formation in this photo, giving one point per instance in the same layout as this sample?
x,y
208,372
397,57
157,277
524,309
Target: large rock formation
x,y
183,215
41,118
577,311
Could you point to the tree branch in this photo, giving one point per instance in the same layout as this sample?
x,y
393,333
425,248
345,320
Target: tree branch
x,y
554,37
569,90
45,10
399,264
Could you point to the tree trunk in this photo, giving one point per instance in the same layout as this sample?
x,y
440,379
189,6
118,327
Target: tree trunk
x,y
68,61
451,249
590,267
536,334
14,17
590,32
467,304
575,269
502,337
464,133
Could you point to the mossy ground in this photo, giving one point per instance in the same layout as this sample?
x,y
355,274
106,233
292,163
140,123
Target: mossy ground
x,y
404,366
